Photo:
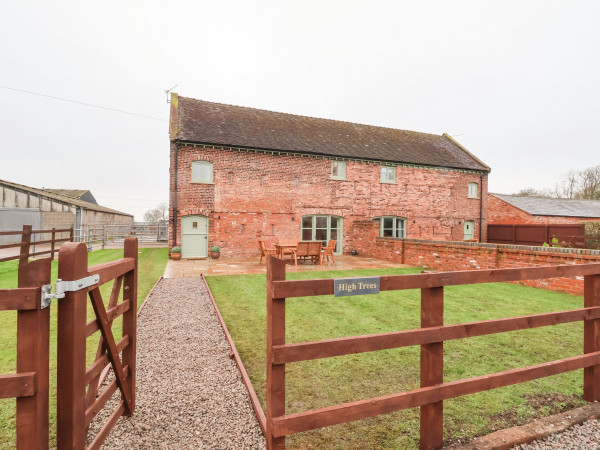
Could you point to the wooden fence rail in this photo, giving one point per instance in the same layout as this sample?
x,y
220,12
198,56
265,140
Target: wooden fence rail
x,y
27,242
431,336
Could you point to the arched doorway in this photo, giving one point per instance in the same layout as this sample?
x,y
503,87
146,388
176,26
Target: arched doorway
x,y
194,236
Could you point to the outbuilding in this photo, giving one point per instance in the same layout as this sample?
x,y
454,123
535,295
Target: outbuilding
x,y
53,208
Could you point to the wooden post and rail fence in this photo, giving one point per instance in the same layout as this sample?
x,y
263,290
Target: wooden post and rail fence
x,y
431,336
30,384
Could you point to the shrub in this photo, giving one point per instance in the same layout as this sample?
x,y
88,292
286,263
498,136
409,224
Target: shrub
x,y
176,250
592,233
215,248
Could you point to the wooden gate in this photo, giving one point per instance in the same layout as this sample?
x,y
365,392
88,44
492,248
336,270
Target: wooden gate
x,y
76,408
430,337
30,383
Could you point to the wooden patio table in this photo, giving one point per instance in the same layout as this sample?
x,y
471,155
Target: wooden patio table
x,y
282,247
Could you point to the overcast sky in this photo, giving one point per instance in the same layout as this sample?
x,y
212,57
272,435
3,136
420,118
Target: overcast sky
x,y
516,82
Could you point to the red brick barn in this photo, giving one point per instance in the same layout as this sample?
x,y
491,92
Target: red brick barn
x,y
513,209
238,173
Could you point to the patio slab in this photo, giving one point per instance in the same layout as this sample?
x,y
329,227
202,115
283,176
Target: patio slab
x,y
249,265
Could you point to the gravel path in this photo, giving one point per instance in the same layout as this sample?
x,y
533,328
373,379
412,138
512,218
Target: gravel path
x,y
579,437
189,392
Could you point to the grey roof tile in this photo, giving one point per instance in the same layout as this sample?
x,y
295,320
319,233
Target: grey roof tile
x,y
538,206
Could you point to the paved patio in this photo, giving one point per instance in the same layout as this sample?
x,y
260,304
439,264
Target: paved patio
x,y
249,265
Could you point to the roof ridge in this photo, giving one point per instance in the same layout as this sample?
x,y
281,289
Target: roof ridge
x,y
311,117
547,198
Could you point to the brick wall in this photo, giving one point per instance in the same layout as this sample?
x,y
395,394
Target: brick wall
x,y
501,212
450,256
254,194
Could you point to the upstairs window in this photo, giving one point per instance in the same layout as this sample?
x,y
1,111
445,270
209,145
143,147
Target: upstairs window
x,y
338,170
202,172
473,190
392,227
388,174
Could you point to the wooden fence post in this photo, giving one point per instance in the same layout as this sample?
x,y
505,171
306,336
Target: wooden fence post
x,y
275,336
33,344
591,339
130,317
432,368
25,245
71,353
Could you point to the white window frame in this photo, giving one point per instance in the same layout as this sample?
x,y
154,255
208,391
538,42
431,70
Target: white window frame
x,y
341,170
397,231
200,179
473,190
386,171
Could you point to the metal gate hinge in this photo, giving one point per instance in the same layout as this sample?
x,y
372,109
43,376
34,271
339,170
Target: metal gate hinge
x,y
60,287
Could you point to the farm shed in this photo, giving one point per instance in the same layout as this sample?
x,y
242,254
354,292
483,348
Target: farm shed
x,y
46,209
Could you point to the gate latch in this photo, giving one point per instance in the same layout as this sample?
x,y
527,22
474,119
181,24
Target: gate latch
x,y
61,287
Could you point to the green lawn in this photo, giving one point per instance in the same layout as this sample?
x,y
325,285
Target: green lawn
x,y
151,265
326,382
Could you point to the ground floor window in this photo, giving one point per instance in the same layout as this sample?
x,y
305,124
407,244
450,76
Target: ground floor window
x,y
392,227
322,228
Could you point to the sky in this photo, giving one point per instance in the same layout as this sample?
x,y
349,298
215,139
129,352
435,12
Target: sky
x,y
516,82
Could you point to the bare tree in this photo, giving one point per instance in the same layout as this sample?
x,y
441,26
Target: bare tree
x,y
567,187
575,184
589,184
530,192
161,212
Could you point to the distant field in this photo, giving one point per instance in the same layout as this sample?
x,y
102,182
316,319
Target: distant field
x,y
151,264
325,382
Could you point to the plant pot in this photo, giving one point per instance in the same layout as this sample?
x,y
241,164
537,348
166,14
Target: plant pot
x,y
215,255
175,256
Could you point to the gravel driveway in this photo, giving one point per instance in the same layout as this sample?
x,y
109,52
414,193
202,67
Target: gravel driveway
x,y
189,392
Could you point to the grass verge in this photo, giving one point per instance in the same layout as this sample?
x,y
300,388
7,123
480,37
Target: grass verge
x,y
314,384
151,265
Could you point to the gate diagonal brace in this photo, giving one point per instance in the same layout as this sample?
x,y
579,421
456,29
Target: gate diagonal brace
x,y
60,287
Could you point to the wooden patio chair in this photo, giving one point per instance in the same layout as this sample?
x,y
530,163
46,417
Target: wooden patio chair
x,y
328,251
265,250
302,251
314,251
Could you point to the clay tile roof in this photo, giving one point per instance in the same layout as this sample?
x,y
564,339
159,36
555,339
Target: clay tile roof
x,y
537,206
204,122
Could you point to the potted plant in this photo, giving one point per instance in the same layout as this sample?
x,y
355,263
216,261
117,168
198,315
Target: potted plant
x,y
215,252
176,253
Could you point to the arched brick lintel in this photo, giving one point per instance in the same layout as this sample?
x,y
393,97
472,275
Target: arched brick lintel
x,y
194,211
